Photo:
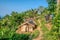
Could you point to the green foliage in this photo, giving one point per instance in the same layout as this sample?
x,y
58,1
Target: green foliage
x,y
9,24
35,33
6,32
52,5
53,34
17,37
50,36
20,37
56,25
44,29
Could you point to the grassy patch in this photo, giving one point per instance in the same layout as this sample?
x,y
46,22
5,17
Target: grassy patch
x,y
35,33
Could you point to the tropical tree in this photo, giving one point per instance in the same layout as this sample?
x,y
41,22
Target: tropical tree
x,y
52,5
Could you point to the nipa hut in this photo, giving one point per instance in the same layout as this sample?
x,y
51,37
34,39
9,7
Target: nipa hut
x,y
27,26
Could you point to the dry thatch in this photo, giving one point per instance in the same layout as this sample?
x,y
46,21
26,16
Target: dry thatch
x,y
27,26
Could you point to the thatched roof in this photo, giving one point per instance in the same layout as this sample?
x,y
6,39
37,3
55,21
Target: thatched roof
x,y
30,22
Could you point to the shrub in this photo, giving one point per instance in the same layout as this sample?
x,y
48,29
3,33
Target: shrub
x,y
20,37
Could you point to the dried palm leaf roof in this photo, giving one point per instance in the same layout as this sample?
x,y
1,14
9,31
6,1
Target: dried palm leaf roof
x,y
30,22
